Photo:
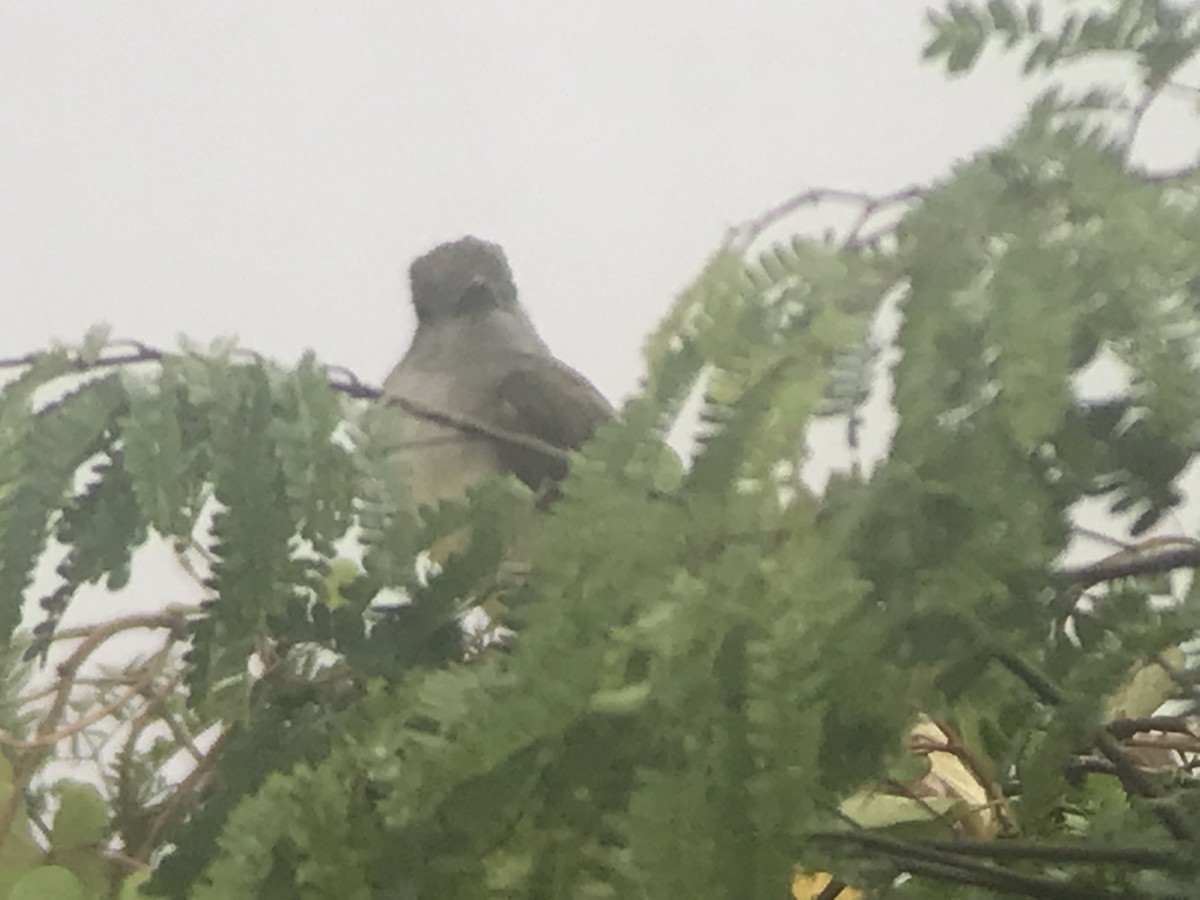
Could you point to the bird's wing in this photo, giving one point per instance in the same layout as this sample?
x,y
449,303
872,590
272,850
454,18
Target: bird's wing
x,y
550,401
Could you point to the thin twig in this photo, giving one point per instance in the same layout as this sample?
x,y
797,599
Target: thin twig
x,y
143,355
1127,728
743,235
1139,857
124,860
1179,743
186,791
1133,779
919,858
832,890
149,672
341,380
908,791
1043,688
1137,783
1103,538
105,683
1154,556
185,562
26,766
956,746
358,390
155,711
174,616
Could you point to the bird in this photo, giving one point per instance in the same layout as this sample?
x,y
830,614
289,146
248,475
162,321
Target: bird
x,y
477,371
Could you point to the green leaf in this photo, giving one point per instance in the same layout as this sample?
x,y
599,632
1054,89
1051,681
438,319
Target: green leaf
x,y
1033,327
155,457
82,817
51,447
1005,17
254,574
131,887
1033,16
94,343
342,571
886,810
317,469
48,883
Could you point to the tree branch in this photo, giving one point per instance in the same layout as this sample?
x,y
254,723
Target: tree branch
x,y
1138,857
186,792
947,865
957,747
1154,556
341,380
1127,728
741,236
149,672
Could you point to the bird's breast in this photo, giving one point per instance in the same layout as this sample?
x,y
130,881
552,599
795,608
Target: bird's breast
x,y
440,462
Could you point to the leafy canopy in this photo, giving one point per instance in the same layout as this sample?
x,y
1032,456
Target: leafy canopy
x,y
716,676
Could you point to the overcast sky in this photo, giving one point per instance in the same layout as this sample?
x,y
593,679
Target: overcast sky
x,y
267,170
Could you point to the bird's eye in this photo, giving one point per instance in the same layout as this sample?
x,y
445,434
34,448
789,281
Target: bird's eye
x,y
476,297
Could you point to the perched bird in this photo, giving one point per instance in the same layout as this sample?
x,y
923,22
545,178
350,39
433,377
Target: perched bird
x,y
476,357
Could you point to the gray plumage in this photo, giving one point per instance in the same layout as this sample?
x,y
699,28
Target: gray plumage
x,y
477,356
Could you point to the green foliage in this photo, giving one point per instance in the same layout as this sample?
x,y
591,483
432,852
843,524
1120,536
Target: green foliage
x,y
163,442
1159,36
48,883
44,446
255,575
713,675
82,816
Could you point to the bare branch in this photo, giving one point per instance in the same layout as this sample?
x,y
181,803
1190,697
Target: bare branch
x,y
47,732
356,389
1141,857
921,859
1137,783
186,793
149,672
1127,728
743,235
957,747
1179,743
174,617
1103,538
831,890
1132,777
341,380
1149,557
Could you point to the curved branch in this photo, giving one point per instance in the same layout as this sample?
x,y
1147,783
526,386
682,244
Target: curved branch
x,y
957,747
188,790
149,672
351,386
341,380
1154,556
869,205
26,766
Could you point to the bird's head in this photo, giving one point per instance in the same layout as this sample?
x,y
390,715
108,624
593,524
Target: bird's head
x,y
461,278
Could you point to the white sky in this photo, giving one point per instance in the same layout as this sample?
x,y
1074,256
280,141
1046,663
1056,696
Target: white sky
x,y
267,170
